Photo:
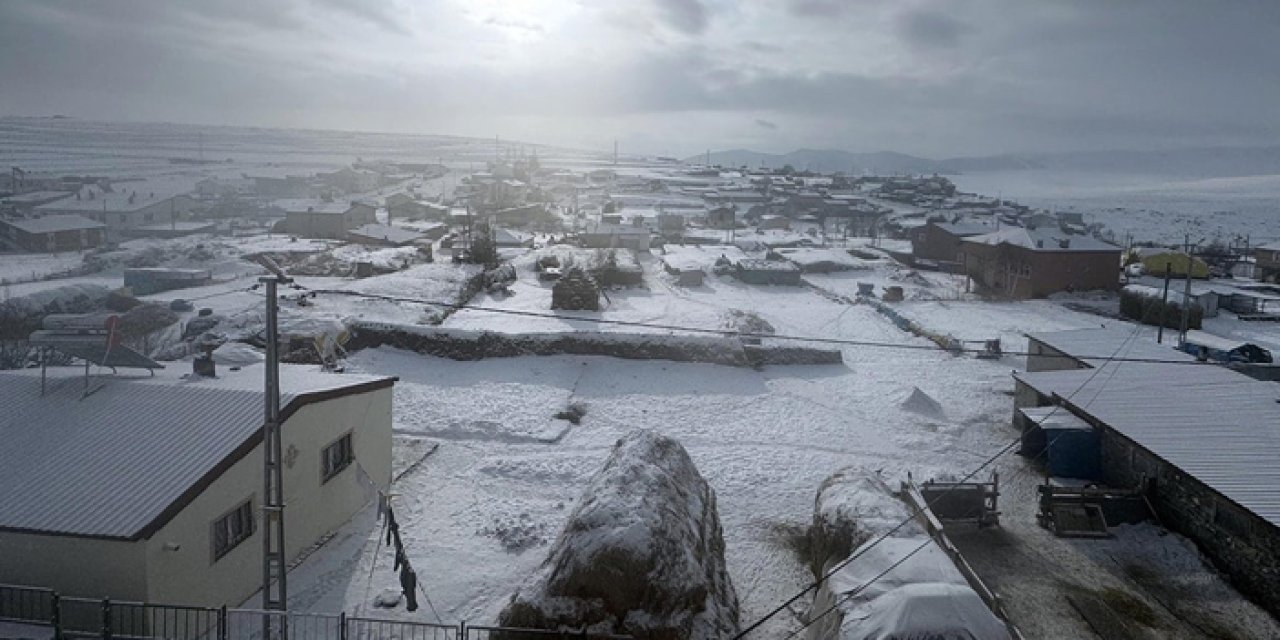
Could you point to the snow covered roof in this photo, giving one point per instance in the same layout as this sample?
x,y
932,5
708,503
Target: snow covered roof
x,y
50,224
964,228
37,197
386,232
1095,346
121,461
1042,240
1217,425
301,205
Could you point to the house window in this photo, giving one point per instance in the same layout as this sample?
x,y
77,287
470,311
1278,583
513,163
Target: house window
x,y
336,457
232,529
1026,271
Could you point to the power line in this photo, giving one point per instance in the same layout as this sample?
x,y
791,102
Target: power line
x,y
741,334
911,516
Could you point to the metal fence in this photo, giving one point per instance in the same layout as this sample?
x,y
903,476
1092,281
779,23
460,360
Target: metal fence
x,y
58,617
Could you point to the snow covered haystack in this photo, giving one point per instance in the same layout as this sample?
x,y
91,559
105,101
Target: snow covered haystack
x,y
852,506
642,553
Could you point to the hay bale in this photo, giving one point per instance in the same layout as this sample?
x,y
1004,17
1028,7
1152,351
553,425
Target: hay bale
x,y
642,554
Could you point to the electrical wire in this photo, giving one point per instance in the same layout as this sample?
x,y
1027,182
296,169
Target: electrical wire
x,y
742,334
910,517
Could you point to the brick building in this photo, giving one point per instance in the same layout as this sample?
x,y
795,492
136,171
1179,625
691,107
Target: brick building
x,y
940,241
1016,262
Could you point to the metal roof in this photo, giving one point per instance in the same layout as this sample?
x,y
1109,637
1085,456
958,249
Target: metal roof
x,y
50,224
1042,240
1094,347
385,232
1219,426
112,463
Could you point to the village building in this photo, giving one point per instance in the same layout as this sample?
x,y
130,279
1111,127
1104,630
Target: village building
x,y
605,235
143,281
1016,262
939,242
1267,262
383,235
53,233
722,217
755,271
24,203
1198,442
1158,260
312,219
401,206
125,208
1091,348
149,488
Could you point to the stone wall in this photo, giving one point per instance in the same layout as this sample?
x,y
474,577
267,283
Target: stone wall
x,y
1244,546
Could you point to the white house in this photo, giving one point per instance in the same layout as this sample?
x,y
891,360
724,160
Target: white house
x,y
149,489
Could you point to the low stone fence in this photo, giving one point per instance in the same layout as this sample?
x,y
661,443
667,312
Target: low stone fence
x,y
461,344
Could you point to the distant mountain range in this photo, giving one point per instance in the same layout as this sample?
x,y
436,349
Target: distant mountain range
x,y
1202,162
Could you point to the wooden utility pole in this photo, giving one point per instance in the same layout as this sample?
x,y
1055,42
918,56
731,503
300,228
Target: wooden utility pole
x,y
1186,295
1164,302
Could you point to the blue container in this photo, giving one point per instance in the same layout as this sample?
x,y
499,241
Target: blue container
x,y
1074,452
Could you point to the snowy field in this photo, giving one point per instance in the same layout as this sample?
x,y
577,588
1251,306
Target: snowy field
x,y
1156,208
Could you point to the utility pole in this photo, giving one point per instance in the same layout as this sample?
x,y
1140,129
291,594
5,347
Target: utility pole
x,y
1186,295
274,591
1164,302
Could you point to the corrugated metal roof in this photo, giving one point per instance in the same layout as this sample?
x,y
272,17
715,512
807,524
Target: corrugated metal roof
x,y
1042,240
1219,426
1096,346
110,463
50,224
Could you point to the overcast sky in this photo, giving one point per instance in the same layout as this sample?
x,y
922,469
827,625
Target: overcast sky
x,y
934,78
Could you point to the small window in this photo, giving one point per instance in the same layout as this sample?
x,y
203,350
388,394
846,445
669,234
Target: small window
x,y
232,529
336,457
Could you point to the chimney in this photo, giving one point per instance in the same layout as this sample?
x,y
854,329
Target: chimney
x,y
203,365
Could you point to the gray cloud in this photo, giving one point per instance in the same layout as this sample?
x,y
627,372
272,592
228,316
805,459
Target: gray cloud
x,y
819,8
1040,78
930,29
687,16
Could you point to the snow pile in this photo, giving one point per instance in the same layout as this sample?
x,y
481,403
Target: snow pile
x,y
642,553
898,583
923,596
921,403
21,315
818,260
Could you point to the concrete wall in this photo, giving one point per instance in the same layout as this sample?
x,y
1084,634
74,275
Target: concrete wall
x,y
1245,546
1042,357
190,575
74,566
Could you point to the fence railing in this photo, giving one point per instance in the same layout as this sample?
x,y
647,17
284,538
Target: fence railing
x,y
65,617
